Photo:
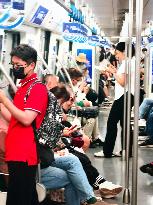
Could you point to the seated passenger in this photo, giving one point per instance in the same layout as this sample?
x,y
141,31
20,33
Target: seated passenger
x,y
95,179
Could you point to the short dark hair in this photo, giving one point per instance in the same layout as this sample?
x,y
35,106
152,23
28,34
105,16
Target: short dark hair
x,y
121,47
74,73
25,52
61,91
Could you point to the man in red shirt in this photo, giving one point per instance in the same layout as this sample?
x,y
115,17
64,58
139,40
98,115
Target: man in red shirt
x,y
21,153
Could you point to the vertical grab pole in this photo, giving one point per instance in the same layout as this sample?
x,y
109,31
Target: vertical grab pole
x,y
126,195
139,12
125,113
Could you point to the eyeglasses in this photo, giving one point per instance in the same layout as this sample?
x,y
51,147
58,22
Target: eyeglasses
x,y
16,65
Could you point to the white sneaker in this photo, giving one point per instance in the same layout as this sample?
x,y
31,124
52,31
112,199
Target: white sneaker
x,y
109,190
99,154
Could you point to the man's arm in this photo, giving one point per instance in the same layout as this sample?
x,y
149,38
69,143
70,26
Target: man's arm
x,y
25,117
5,113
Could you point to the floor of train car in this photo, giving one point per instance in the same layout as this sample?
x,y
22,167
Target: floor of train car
x,y
113,169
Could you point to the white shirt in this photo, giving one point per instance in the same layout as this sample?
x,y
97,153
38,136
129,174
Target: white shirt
x,y
119,90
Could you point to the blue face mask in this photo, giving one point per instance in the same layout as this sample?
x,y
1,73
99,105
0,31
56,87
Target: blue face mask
x,y
19,73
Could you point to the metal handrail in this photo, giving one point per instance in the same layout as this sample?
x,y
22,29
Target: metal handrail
x,y
8,77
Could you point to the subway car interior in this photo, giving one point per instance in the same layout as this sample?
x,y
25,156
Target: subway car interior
x,y
95,58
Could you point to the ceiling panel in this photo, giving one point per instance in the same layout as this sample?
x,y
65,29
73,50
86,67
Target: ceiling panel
x,y
111,13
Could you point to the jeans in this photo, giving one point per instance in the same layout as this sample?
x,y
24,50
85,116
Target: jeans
x,y
73,171
145,107
56,178
149,125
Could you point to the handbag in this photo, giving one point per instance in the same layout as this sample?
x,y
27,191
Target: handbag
x,y
45,154
87,112
77,140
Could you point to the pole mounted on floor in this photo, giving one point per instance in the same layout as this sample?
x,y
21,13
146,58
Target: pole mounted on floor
x,y
126,194
139,12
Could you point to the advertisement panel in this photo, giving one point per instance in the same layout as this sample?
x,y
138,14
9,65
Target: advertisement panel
x,y
4,4
39,15
88,53
18,4
75,32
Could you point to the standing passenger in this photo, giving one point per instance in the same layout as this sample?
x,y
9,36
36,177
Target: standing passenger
x,y
21,153
117,110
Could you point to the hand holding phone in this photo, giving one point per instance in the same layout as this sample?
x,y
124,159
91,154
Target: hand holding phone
x,y
71,128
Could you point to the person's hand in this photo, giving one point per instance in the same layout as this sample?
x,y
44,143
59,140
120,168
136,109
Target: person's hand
x,y
68,130
87,103
2,96
61,153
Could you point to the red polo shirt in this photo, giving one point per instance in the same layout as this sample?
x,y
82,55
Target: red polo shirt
x,y
20,141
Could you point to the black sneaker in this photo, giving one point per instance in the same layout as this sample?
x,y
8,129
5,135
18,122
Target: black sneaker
x,y
145,167
99,142
146,143
142,133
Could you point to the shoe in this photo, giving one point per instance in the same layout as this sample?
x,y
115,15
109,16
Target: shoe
x,y
92,200
92,145
98,142
109,190
146,143
142,133
101,154
118,154
145,167
99,203
103,203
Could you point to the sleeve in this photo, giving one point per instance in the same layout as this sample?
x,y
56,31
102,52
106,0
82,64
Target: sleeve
x,y
122,68
37,99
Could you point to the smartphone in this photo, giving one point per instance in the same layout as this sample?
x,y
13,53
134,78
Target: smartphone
x,y
73,127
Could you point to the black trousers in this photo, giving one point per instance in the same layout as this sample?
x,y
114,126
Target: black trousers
x,y
90,171
116,114
22,184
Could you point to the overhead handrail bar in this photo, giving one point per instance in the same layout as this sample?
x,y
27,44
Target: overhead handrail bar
x,y
67,74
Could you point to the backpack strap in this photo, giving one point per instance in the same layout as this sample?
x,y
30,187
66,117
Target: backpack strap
x,y
29,89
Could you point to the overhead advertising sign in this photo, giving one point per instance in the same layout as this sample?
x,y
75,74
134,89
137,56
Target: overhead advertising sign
x,y
93,40
18,4
4,4
39,15
75,32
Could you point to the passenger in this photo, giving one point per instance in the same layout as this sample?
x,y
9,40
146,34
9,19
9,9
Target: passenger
x,y
21,153
117,110
106,188
148,130
145,107
71,165
51,81
78,85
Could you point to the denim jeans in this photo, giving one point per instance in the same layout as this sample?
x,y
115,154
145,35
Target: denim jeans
x,y
73,171
56,178
149,125
145,107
